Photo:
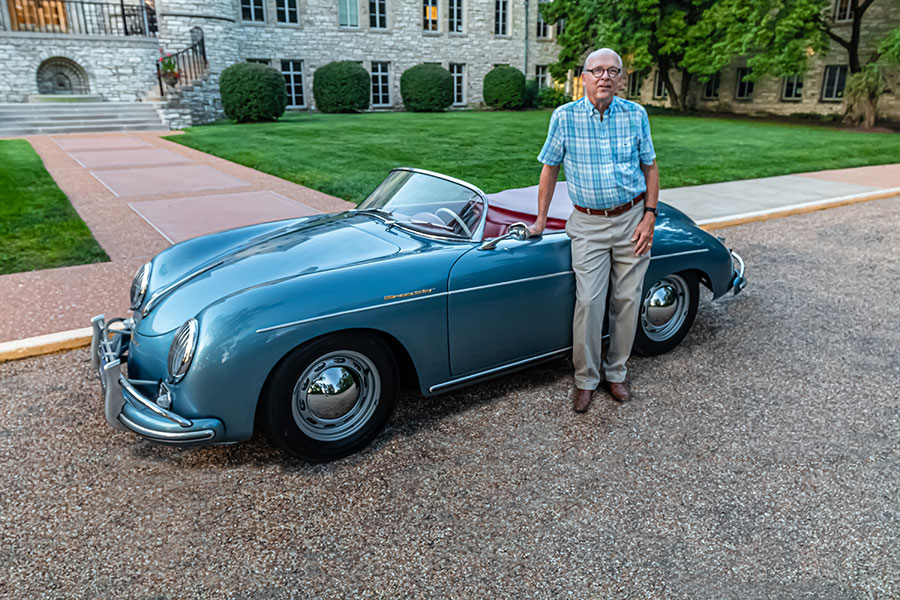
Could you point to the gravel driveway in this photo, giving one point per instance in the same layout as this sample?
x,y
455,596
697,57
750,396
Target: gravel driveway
x,y
758,460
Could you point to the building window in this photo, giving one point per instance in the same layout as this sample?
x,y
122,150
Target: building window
x,y
429,15
543,30
577,83
711,87
252,10
792,88
381,89
259,61
540,76
560,27
634,85
378,14
501,17
293,82
744,88
835,80
459,83
286,11
348,13
659,90
843,11
455,16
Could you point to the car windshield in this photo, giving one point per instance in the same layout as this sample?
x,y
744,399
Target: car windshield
x,y
427,203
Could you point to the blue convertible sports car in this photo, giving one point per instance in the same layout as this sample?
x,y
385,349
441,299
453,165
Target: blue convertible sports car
x,y
309,326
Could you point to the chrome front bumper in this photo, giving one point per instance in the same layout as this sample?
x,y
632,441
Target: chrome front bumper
x,y
738,282
126,407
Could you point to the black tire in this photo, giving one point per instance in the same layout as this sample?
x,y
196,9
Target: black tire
x,y
660,332
356,378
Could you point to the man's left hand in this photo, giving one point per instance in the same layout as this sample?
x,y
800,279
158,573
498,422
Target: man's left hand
x,y
643,235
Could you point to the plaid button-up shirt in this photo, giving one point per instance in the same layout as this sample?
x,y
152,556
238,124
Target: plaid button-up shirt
x,y
602,158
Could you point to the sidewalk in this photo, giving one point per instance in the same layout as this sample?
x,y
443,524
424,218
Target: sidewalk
x,y
139,193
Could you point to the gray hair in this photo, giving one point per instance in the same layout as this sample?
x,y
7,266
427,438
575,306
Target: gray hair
x,y
597,53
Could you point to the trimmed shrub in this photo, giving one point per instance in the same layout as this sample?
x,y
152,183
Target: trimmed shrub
x,y
252,92
426,88
504,87
529,100
341,87
550,97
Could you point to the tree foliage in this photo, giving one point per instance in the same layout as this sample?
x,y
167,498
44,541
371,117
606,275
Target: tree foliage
x,y
700,37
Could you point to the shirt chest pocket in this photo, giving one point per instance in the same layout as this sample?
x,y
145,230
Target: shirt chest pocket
x,y
624,150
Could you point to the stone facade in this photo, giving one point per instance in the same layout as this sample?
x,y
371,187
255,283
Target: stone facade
x,y
116,67
123,68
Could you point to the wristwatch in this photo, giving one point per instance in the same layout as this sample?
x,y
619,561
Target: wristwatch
x,y
652,209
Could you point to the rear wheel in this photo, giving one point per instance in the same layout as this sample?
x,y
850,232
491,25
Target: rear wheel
x,y
330,398
667,313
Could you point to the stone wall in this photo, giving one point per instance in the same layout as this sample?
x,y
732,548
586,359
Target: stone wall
x,y
118,68
318,39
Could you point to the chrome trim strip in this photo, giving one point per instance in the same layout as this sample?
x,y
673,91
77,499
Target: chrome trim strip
x,y
437,295
698,250
165,436
347,312
517,363
160,294
152,406
502,283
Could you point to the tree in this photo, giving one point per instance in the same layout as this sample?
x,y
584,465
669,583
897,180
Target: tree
x,y
645,32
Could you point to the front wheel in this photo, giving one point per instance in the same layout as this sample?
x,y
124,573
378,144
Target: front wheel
x,y
330,398
668,309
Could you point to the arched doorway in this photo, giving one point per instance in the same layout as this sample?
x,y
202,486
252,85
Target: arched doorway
x,y
60,75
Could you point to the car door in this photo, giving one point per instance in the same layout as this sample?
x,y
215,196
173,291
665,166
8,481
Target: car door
x,y
510,303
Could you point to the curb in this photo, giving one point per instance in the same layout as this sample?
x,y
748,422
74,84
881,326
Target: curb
x,y
796,209
45,344
79,338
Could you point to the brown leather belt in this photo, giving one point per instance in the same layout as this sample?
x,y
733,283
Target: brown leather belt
x,y
610,212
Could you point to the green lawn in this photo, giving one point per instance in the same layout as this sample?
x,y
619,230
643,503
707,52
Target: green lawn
x,y
39,229
347,155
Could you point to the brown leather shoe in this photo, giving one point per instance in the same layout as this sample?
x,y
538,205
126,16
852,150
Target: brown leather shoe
x,y
582,400
619,391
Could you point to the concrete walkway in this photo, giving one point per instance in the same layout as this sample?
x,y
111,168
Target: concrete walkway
x,y
139,193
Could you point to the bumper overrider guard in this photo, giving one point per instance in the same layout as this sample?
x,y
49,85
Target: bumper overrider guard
x,y
126,407
739,282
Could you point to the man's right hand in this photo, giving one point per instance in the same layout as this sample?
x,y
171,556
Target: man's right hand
x,y
536,229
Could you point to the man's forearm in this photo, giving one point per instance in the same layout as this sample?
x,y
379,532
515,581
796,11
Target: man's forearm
x,y
651,176
549,175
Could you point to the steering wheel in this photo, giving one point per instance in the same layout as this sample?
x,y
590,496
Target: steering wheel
x,y
456,218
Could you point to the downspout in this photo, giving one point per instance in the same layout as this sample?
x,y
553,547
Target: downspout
x,y
525,68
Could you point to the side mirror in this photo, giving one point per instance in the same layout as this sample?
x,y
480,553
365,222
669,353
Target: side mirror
x,y
518,231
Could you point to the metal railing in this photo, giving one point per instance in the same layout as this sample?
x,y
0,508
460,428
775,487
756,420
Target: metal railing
x,y
82,18
190,64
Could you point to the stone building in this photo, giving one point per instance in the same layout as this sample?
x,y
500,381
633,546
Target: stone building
x,y
110,49
819,90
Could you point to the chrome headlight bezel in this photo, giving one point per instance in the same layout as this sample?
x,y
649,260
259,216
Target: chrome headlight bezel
x,y
182,350
139,286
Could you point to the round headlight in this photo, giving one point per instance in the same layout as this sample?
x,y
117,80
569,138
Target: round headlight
x,y
181,352
139,286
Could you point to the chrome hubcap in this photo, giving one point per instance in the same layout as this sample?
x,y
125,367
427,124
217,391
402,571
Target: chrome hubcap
x,y
336,395
665,308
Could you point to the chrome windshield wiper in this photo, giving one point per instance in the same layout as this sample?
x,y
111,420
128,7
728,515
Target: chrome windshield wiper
x,y
383,214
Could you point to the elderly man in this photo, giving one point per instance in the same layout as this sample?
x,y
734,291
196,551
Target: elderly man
x,y
613,181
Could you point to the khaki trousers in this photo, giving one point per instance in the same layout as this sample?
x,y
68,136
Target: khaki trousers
x,y
603,258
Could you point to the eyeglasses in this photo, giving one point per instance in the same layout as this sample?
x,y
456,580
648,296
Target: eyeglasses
x,y
599,71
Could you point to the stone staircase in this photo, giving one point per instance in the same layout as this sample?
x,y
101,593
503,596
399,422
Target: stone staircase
x,y
77,116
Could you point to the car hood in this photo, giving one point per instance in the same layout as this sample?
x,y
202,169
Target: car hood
x,y
182,287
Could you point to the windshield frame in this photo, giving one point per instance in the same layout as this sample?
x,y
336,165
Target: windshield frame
x,y
477,233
